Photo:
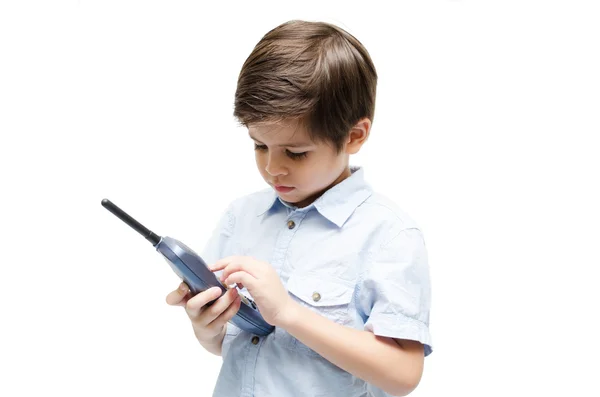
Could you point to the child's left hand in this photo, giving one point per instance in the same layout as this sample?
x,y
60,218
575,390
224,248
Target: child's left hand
x,y
262,282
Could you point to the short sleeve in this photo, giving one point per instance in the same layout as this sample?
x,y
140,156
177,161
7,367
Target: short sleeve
x,y
219,244
393,293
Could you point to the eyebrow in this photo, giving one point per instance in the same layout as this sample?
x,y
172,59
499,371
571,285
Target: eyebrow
x,y
291,144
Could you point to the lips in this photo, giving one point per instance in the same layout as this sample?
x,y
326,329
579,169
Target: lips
x,y
283,189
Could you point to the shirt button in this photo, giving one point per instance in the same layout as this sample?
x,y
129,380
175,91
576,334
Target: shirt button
x,y
255,340
316,296
291,225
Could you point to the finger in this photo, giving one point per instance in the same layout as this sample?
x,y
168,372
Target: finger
x,y
205,315
180,296
226,315
250,267
222,263
242,278
194,305
220,321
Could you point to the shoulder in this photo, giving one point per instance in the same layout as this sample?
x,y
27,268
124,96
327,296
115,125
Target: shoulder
x,y
378,221
252,202
243,207
387,211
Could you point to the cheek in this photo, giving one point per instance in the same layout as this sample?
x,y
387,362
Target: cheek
x,y
326,169
261,163
258,156
312,174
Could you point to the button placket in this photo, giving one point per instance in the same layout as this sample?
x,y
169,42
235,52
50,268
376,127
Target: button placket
x,y
292,223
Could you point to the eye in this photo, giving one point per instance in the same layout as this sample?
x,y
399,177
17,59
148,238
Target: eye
x,y
260,147
296,156
292,155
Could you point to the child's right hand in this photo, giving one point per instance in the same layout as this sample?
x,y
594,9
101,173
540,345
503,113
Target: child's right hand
x,y
208,322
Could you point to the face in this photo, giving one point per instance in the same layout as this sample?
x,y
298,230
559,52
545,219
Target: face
x,y
299,169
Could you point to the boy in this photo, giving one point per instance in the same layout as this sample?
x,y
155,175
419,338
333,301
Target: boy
x,y
338,269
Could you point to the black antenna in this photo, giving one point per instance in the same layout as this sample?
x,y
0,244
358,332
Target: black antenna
x,y
153,238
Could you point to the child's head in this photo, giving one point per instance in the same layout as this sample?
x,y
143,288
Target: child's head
x,y
312,84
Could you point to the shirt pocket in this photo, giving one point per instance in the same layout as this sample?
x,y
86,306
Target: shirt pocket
x,y
327,296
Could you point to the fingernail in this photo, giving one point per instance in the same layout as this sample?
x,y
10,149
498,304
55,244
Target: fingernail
x,y
183,287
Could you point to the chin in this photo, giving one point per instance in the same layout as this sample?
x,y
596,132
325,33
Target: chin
x,y
289,198
292,199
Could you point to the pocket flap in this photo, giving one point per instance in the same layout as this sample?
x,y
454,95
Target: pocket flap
x,y
318,291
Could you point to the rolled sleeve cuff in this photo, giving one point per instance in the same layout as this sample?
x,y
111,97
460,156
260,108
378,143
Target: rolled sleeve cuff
x,y
401,327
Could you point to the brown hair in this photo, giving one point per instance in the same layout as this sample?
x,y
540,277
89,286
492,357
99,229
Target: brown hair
x,y
313,72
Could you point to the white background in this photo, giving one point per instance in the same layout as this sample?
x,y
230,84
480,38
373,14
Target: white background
x,y
484,134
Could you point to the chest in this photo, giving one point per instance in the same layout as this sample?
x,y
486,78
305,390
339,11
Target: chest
x,y
307,245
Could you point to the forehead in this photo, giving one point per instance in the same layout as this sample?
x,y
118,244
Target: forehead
x,y
284,133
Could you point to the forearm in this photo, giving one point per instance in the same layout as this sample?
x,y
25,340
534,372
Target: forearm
x,y
378,361
214,346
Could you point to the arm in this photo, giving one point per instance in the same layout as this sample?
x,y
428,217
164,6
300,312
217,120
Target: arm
x,y
393,298
215,345
393,365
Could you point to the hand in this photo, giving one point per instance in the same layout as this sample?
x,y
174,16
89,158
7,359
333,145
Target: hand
x,y
262,282
208,322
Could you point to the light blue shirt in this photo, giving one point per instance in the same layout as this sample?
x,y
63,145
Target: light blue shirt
x,y
352,256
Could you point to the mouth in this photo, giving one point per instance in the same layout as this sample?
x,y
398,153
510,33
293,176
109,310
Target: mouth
x,y
283,189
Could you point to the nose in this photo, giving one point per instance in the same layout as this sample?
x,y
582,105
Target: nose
x,y
275,167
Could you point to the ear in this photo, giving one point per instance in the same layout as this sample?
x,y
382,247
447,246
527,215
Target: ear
x,y
358,136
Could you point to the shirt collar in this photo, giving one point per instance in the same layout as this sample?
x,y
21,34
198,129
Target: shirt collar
x,y
337,203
